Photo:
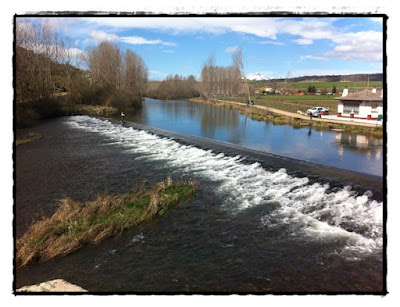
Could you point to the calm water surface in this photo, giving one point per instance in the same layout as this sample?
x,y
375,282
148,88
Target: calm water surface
x,y
340,149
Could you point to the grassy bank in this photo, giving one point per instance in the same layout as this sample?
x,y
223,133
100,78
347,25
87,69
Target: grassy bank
x,y
75,225
295,121
29,138
292,103
30,113
84,109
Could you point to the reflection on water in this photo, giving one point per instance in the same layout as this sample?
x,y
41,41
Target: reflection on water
x,y
192,118
369,146
340,149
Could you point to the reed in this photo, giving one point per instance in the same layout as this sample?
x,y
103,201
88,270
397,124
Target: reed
x,y
76,224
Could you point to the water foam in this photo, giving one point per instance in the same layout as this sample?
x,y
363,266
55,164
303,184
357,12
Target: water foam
x,y
309,209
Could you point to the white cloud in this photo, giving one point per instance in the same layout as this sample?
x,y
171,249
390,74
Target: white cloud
x,y
270,42
99,36
137,40
232,49
310,28
75,52
168,51
53,50
303,41
262,27
312,57
376,19
365,46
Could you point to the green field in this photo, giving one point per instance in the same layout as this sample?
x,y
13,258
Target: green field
x,y
324,85
292,103
303,103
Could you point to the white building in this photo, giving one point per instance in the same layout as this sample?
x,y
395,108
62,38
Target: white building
x,y
363,105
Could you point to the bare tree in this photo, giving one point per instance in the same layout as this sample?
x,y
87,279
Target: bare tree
x,y
135,74
219,81
237,59
286,83
39,47
105,63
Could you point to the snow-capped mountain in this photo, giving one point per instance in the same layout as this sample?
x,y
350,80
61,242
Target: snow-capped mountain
x,y
256,77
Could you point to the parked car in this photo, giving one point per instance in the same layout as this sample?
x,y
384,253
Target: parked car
x,y
316,111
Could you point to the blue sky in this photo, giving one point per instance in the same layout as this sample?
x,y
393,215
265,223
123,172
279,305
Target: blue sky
x,y
275,47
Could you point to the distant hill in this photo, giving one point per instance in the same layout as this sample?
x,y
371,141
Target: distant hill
x,y
334,78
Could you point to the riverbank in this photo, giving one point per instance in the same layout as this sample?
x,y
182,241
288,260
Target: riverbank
x,y
263,113
29,114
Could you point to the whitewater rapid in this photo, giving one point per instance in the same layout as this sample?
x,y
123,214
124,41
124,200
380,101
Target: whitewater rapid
x,y
308,209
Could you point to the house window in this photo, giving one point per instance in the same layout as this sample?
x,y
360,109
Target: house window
x,y
374,108
351,107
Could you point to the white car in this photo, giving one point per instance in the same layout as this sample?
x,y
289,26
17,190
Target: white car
x,y
316,111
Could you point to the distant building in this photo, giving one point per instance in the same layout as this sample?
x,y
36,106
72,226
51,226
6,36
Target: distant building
x,y
363,105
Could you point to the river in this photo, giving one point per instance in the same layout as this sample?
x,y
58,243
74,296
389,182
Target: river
x,y
359,153
253,226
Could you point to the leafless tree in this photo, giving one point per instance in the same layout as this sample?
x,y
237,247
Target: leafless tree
x,y
39,47
219,81
237,59
208,77
105,63
135,74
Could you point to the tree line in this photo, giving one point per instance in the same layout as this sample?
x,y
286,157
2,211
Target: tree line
x,y
46,65
174,87
218,81
215,82
49,70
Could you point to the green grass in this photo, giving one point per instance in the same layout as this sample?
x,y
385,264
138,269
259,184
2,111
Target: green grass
x,y
75,224
327,85
292,103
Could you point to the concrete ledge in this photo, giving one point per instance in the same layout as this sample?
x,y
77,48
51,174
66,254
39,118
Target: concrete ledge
x,y
56,285
352,120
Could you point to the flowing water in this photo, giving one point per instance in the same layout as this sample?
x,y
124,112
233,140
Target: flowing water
x,y
256,224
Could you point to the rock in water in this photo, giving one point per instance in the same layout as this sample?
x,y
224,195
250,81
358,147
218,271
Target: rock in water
x,y
57,285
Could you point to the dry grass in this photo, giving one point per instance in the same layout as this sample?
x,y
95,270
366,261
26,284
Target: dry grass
x,y
84,109
75,224
31,137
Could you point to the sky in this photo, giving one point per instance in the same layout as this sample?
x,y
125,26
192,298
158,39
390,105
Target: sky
x,y
274,47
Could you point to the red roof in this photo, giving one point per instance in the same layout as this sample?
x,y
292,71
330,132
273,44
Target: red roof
x,y
365,95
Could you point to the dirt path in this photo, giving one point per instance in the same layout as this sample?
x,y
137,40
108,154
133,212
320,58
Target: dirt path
x,y
295,115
